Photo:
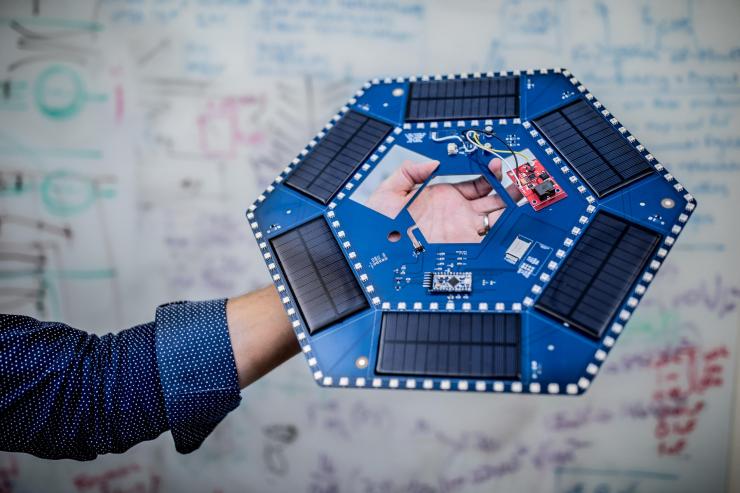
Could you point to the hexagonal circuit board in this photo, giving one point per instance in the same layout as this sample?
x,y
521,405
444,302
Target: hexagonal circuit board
x,y
479,232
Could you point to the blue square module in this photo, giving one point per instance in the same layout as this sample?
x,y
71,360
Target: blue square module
x,y
487,232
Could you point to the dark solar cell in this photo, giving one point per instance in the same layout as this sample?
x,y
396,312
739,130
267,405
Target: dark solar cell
x,y
322,282
593,147
327,167
486,97
474,345
597,276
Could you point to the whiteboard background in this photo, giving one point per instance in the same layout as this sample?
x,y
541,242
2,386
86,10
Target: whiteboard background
x,y
184,110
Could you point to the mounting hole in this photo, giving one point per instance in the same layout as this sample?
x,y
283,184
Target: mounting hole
x,y
668,203
398,91
361,362
394,236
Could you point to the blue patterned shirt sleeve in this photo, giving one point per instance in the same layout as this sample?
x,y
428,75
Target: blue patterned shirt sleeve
x,y
65,393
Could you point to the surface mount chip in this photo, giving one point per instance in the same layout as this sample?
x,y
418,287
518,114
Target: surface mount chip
x,y
407,257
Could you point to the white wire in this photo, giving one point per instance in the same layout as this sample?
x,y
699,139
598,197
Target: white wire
x,y
467,149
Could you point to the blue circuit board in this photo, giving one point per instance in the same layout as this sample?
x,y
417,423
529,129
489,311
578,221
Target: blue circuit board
x,y
485,232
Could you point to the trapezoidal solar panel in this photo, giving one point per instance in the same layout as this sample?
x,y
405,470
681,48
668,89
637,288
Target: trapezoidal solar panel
x,y
466,345
318,274
595,149
448,99
489,232
329,164
587,290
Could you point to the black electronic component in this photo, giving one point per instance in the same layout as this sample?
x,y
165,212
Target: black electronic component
x,y
544,175
593,147
544,189
483,97
474,345
449,282
326,168
322,282
591,285
531,176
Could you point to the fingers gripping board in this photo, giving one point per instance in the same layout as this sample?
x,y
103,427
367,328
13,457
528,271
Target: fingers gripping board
x,y
480,232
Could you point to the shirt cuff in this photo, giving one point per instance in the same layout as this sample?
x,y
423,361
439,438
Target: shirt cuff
x,y
196,368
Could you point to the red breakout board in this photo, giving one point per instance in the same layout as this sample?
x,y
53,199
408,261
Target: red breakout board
x,y
537,186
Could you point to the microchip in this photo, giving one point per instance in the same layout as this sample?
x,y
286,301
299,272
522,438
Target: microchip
x,y
531,176
544,189
544,175
451,282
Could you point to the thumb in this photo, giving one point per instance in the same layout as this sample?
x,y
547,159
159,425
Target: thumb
x,y
410,174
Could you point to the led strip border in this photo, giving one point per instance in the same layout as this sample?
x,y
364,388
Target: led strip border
x,y
606,343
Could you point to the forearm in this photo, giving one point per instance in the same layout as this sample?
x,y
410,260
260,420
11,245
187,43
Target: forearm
x,y
65,393
260,332
68,394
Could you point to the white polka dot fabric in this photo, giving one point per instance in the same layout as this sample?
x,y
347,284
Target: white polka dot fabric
x,y
68,394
